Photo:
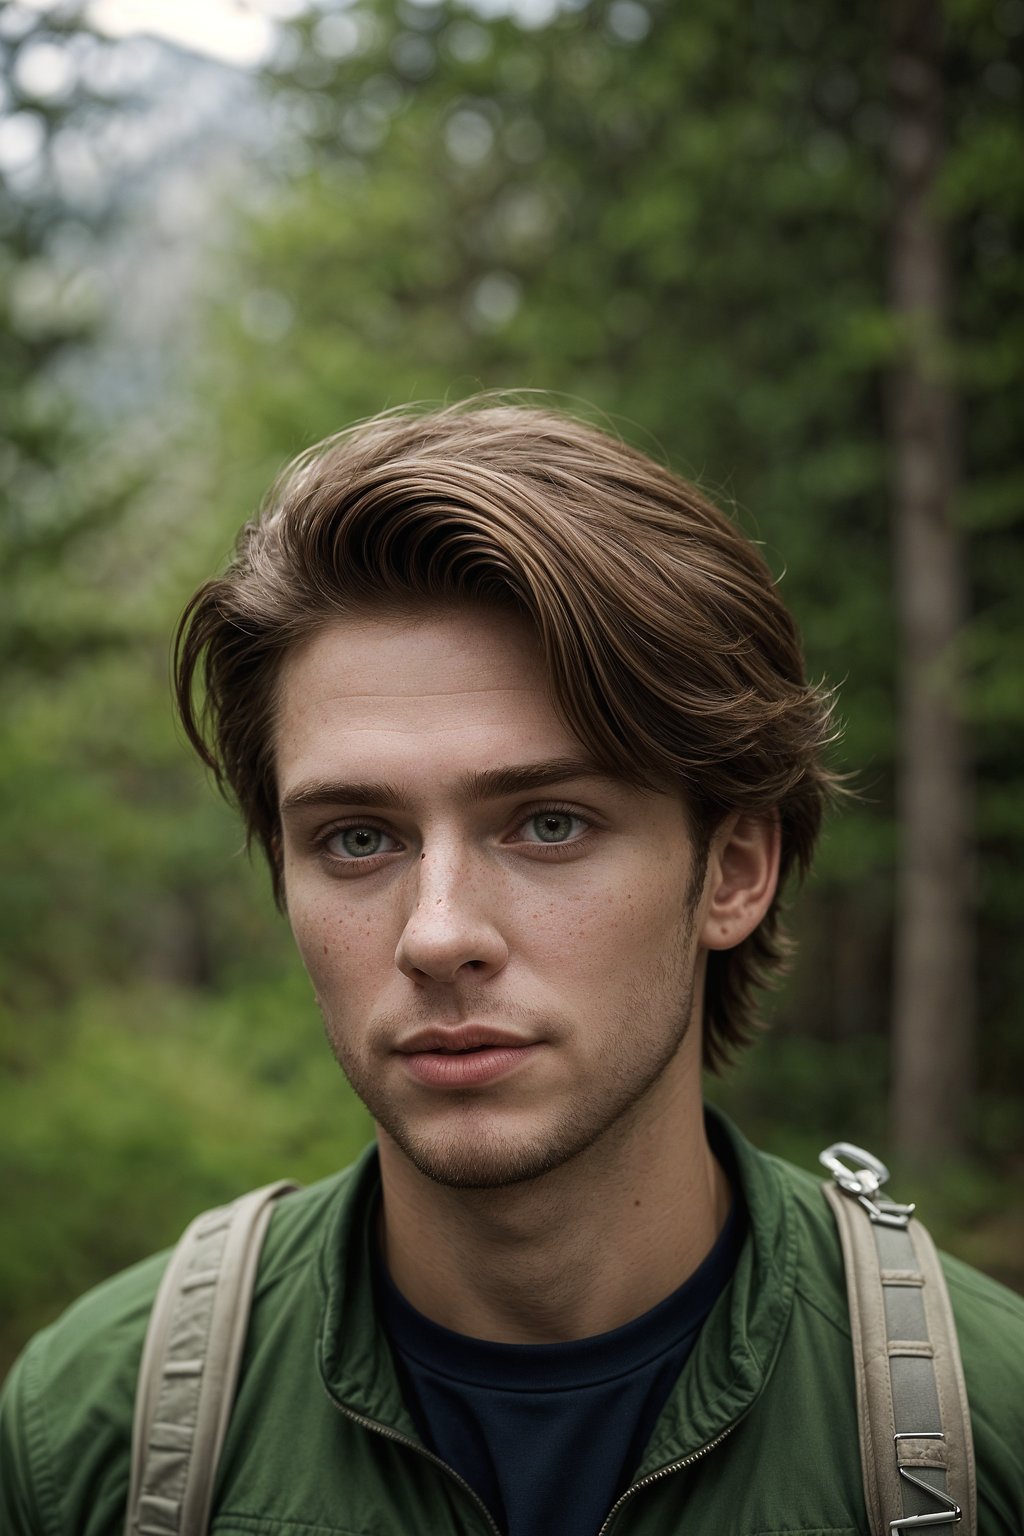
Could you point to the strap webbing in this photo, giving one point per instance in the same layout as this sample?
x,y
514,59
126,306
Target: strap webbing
x,y
190,1364
915,1428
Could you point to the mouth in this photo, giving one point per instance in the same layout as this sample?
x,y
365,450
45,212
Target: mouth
x,y
465,1057
462,1040
464,1050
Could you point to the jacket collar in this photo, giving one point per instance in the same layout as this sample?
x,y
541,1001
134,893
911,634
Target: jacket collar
x,y
730,1364
740,1341
353,1355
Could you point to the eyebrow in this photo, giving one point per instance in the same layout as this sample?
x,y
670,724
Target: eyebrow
x,y
485,784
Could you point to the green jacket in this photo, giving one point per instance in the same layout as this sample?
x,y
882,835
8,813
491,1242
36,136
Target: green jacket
x,y
759,1437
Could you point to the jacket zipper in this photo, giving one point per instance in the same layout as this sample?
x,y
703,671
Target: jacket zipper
x,y
645,1482
653,1477
394,1434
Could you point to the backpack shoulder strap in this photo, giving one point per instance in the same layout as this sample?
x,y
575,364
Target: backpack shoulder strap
x,y
917,1454
190,1364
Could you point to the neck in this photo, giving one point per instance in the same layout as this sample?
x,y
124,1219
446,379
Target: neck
x,y
574,1253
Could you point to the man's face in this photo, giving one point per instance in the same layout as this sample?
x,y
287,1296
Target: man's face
x,y
503,940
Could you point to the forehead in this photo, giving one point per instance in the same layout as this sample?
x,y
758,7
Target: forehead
x,y
422,692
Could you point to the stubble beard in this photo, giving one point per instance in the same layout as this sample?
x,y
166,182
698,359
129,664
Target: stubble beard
x,y
477,1154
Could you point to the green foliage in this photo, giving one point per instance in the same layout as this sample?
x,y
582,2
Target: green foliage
x,y
54,493
793,1097
134,1108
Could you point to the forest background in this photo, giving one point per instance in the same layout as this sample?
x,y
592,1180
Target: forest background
x,y
775,244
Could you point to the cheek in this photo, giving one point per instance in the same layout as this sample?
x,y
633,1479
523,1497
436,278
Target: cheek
x,y
611,927
340,944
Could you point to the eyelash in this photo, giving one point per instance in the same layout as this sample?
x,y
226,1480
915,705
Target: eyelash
x,y
551,851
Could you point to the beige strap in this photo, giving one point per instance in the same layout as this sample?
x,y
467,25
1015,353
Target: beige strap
x,y
190,1363
915,1430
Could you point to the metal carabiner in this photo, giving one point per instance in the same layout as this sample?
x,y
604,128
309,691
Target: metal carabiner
x,y
864,1182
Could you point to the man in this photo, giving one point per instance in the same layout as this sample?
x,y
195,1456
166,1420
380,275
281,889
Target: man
x,y
521,724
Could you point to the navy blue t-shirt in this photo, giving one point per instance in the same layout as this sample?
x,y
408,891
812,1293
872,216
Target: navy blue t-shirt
x,y
549,1435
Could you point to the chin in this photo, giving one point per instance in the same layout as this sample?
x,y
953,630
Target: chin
x,y
488,1159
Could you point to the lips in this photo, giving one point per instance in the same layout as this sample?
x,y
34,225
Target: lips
x,y
465,1055
461,1038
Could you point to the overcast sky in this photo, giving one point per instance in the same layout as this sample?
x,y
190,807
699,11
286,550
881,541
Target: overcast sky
x,y
242,31
237,31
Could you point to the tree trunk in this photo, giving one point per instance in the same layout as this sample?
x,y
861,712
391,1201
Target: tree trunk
x,y
933,1002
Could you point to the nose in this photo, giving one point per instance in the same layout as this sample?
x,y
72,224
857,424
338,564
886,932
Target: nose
x,y
449,931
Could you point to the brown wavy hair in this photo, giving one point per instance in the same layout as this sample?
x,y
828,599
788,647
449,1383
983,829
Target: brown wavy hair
x,y
669,652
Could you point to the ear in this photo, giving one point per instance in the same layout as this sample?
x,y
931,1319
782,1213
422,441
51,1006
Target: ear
x,y
742,878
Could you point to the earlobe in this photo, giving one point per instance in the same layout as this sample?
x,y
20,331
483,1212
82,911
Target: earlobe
x,y
742,878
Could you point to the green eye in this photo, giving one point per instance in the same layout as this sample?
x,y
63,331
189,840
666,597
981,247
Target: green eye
x,y
361,842
553,826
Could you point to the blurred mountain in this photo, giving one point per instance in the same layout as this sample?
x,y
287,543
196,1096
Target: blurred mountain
x,y
185,150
